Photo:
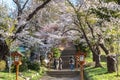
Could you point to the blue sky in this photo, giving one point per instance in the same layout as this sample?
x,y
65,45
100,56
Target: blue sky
x,y
73,1
8,3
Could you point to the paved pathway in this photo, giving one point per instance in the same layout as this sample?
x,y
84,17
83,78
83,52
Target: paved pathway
x,y
48,77
61,78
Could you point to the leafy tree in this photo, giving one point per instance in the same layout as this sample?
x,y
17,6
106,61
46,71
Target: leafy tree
x,y
108,35
117,1
95,39
83,27
4,49
22,21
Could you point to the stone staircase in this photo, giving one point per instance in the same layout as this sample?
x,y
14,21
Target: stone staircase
x,y
66,54
63,73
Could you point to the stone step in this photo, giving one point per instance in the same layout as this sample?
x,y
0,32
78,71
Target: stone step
x,y
66,61
65,58
68,52
62,73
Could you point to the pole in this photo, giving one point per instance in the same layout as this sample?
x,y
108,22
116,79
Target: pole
x,y
81,72
17,71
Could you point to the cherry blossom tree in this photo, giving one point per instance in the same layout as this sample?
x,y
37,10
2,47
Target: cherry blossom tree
x,y
90,25
23,19
40,31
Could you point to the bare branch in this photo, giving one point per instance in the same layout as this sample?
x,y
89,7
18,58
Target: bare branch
x,y
24,4
31,15
79,7
82,29
15,1
37,9
18,6
104,48
72,6
91,29
71,29
76,22
20,28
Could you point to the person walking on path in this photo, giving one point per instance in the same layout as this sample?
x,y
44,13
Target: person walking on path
x,y
71,63
54,63
57,64
60,63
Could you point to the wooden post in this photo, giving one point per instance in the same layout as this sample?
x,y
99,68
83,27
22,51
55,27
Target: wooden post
x,y
76,64
81,72
17,61
77,61
17,71
81,60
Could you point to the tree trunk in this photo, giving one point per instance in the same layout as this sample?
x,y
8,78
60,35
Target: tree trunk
x,y
96,55
4,49
95,49
110,59
111,63
96,59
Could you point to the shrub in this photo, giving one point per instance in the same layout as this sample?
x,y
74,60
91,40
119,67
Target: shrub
x,y
43,64
13,68
42,57
24,66
42,70
2,65
56,52
34,66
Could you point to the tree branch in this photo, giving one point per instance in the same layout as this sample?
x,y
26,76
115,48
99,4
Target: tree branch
x,y
91,29
37,9
20,28
18,6
71,30
24,4
81,26
79,7
104,49
72,5
31,15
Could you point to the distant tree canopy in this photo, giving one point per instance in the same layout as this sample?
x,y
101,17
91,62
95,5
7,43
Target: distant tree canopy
x,y
117,1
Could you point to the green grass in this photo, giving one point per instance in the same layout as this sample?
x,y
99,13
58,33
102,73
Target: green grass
x,y
34,75
100,73
8,76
